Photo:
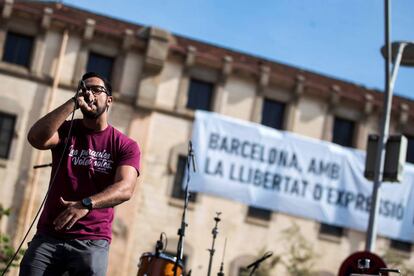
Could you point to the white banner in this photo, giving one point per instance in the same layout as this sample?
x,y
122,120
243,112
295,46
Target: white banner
x,y
301,176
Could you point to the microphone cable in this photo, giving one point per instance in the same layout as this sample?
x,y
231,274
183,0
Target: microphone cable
x,y
50,186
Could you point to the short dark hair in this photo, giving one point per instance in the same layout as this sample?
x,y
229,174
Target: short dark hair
x,y
107,84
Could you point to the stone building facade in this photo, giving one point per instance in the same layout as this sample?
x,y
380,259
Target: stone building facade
x,y
159,79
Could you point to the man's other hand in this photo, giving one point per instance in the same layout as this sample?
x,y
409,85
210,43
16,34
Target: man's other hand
x,y
74,211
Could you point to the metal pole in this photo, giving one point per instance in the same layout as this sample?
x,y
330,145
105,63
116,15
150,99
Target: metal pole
x,y
214,232
181,230
379,163
221,273
396,66
390,78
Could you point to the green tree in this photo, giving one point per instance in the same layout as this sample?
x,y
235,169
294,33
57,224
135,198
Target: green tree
x,y
299,256
264,268
6,248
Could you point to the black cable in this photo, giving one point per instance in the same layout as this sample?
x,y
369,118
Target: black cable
x,y
48,190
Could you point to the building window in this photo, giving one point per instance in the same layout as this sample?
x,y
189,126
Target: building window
x,y
100,64
7,122
331,230
200,94
259,213
401,245
178,191
273,114
18,49
410,149
343,132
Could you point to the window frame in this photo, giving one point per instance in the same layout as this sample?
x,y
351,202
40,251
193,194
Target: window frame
x,y
196,81
259,213
401,246
19,35
174,193
13,117
283,105
95,54
330,232
410,138
351,143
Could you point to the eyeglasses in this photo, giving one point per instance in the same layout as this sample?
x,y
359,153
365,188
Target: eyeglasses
x,y
96,89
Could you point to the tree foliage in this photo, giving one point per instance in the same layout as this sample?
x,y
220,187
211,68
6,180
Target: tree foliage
x,y
299,256
264,268
6,248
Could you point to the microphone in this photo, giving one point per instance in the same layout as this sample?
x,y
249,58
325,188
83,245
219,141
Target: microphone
x,y
256,263
82,87
191,154
159,245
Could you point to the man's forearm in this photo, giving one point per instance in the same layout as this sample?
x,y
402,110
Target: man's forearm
x,y
47,126
113,195
75,210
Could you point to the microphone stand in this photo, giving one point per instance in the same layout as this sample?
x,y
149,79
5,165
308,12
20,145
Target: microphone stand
x,y
221,273
42,166
181,230
255,265
214,232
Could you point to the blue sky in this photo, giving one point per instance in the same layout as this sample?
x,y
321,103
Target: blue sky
x,y
338,38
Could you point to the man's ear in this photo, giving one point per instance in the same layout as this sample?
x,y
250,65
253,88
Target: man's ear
x,y
109,100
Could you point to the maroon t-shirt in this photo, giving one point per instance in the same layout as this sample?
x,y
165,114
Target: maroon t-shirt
x,y
88,167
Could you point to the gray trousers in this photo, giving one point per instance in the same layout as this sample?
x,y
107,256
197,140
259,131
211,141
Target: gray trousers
x,y
50,256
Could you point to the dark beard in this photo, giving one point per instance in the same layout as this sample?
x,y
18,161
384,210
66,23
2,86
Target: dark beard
x,y
93,114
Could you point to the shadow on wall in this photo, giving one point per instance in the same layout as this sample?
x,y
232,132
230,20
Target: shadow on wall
x,y
25,169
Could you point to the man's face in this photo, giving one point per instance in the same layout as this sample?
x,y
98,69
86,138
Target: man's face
x,y
95,97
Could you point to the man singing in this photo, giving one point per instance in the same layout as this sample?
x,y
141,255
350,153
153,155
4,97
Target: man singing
x,y
98,171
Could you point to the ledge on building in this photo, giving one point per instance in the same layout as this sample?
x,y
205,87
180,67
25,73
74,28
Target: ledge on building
x,y
400,248
331,236
179,203
257,221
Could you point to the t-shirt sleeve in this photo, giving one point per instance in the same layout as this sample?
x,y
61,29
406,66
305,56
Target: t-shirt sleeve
x,y
130,155
63,132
